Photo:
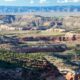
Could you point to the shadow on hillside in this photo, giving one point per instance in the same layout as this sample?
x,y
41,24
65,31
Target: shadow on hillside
x,y
15,44
66,59
12,40
8,65
8,72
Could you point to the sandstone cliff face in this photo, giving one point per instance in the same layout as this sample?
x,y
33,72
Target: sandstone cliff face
x,y
71,22
5,27
68,23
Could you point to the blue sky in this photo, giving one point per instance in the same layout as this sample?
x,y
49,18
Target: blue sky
x,y
39,2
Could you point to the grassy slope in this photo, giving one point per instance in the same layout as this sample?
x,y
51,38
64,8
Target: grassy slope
x,y
31,33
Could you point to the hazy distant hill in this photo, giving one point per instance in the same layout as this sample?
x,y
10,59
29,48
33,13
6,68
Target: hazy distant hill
x,y
24,9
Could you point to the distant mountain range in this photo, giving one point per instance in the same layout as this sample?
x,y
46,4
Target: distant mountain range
x,y
24,9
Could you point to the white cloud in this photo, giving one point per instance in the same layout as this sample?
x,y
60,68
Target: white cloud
x,y
67,1
9,0
76,0
31,2
42,1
